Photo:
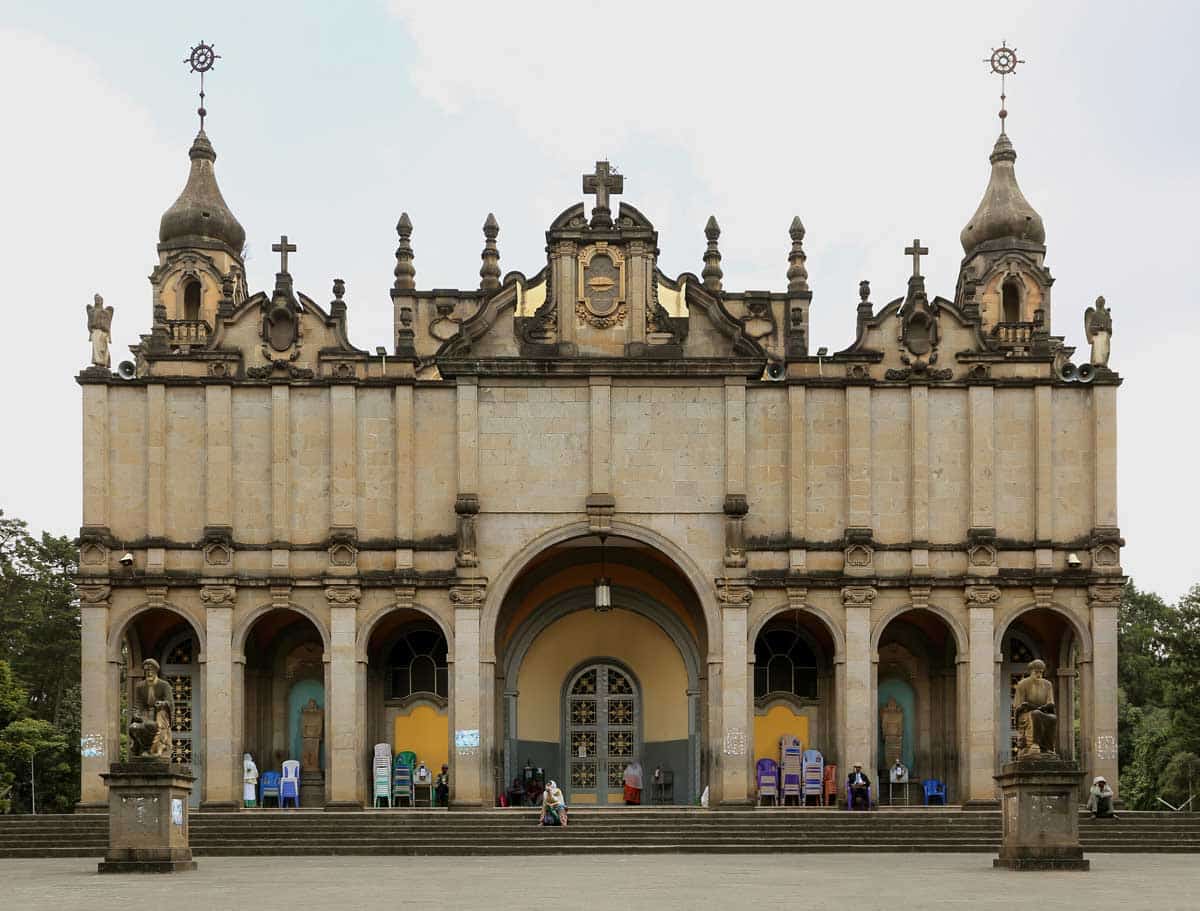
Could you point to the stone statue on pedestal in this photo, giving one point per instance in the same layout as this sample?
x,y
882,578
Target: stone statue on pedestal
x,y
99,323
1097,325
1035,715
151,713
891,717
312,723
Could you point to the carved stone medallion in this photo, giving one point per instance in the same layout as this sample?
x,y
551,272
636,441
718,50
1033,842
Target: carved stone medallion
x,y
601,292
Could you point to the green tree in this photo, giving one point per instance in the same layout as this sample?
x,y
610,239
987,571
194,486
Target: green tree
x,y
33,747
1142,624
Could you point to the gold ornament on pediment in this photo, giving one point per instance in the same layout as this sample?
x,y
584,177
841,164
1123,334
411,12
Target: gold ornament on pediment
x,y
601,286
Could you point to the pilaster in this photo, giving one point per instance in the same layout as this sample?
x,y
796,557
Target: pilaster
x,y
600,395
343,697
467,761
97,745
797,477
735,597
981,692
1105,603
281,514
920,478
95,455
1043,407
859,717
406,485
343,457
858,456
1104,450
219,785
981,403
156,459
468,434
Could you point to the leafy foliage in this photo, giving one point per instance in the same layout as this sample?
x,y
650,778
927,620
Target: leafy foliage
x,y
39,668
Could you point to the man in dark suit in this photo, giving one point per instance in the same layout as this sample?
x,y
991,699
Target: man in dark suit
x,y
859,785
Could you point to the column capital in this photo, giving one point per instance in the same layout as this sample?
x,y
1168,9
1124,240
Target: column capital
x,y
858,595
982,595
1104,595
343,595
218,595
94,595
734,592
468,593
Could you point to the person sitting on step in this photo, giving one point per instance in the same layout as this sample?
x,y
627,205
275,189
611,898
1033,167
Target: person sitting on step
x,y
860,788
1100,799
554,807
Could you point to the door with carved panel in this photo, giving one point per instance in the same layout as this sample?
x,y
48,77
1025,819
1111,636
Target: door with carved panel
x,y
602,715
181,669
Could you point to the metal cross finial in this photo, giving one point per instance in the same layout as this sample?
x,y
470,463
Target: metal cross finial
x,y
201,60
1003,62
606,180
283,248
916,251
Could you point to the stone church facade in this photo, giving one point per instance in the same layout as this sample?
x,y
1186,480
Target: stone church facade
x,y
792,542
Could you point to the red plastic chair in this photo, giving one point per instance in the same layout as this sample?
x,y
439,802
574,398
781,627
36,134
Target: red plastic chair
x,y
830,785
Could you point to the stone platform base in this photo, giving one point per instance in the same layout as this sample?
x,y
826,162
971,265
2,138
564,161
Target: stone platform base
x,y
312,790
1043,863
146,866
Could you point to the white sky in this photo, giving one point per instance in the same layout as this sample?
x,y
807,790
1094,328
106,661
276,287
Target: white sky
x,y
872,122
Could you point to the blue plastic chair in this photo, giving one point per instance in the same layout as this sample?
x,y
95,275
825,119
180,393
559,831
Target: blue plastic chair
x,y
402,781
289,785
935,789
268,786
766,776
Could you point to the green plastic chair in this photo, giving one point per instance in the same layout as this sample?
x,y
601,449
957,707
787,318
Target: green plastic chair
x,y
409,758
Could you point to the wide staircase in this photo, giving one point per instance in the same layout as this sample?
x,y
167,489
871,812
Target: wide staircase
x,y
597,831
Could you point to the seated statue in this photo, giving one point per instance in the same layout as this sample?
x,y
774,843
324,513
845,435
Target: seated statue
x,y
1034,714
151,713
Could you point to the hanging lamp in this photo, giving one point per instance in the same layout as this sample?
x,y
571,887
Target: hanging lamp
x,y
603,588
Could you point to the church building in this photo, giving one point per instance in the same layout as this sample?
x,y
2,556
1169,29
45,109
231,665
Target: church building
x,y
591,513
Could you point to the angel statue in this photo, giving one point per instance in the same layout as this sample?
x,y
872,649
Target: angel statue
x,y
1097,325
99,323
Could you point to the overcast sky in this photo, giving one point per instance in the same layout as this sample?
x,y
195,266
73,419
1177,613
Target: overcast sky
x,y
872,122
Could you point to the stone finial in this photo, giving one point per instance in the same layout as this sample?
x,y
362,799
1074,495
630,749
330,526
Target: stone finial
x,y
797,272
489,272
865,309
404,271
337,306
225,305
712,274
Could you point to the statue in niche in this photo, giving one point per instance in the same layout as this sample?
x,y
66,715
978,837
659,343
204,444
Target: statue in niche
x,y
1034,714
99,323
891,717
1097,325
151,713
312,723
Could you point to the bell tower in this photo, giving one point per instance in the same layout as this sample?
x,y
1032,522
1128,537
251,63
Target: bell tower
x,y
1003,281
200,274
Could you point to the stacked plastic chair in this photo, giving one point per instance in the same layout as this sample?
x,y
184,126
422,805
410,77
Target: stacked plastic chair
x,y
813,768
791,771
766,774
402,783
268,788
289,785
381,773
830,785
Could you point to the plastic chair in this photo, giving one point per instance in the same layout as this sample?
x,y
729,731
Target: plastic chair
x,y
289,785
766,779
402,783
409,757
791,770
829,785
813,768
268,787
850,801
934,789
381,774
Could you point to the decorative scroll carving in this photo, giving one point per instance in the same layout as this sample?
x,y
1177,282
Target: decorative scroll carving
x,y
736,508
343,594
466,506
734,591
467,595
94,594
600,299
218,595
858,595
1106,595
982,595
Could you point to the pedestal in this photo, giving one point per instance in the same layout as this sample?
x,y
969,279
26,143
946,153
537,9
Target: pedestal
x,y
148,818
312,790
1040,811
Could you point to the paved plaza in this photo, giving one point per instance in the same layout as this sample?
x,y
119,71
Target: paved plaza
x,y
890,882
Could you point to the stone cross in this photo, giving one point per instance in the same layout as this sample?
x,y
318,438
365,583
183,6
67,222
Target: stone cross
x,y
283,248
603,182
916,251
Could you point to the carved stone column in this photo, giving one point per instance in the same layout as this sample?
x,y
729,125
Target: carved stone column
x,y
736,691
981,693
1105,602
98,721
466,758
341,701
859,718
219,761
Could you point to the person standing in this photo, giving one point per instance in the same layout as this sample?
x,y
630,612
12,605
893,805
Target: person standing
x,y
633,784
441,787
249,781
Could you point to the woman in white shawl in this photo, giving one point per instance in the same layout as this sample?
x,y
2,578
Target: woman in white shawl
x,y
554,806
1100,799
249,780
633,783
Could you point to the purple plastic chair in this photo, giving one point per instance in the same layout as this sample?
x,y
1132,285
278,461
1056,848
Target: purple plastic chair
x,y
850,800
766,774
289,784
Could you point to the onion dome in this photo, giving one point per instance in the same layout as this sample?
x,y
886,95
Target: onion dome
x,y
1004,213
200,212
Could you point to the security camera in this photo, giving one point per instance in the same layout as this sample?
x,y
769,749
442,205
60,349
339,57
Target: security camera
x,y
126,559
1073,560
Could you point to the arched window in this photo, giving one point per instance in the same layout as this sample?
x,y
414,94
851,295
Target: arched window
x,y
1010,302
784,662
417,664
191,300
